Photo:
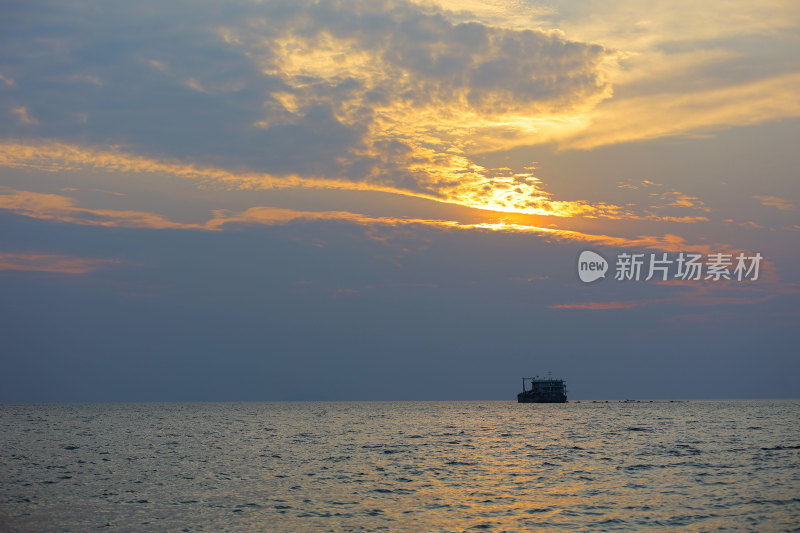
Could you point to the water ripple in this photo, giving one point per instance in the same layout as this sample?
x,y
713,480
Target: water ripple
x,y
492,466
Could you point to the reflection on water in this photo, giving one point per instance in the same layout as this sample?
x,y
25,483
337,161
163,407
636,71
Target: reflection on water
x,y
420,466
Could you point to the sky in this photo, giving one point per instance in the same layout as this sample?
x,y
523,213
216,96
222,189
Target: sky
x,y
390,200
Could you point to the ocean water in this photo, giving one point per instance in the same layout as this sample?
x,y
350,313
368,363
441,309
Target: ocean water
x,y
401,466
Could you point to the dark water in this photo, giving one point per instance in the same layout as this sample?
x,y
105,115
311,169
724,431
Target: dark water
x,y
416,466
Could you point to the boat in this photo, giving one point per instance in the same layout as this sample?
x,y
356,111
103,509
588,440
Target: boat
x,y
543,390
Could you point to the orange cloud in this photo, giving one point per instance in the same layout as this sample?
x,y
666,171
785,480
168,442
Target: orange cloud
x,y
63,209
41,262
450,178
54,156
666,242
778,203
460,182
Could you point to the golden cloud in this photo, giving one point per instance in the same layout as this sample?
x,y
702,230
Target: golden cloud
x,y
778,203
455,179
385,96
58,208
652,116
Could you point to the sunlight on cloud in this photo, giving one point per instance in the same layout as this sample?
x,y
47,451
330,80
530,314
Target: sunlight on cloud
x,y
386,96
665,114
640,25
63,209
499,191
518,14
680,67
54,156
423,100
778,203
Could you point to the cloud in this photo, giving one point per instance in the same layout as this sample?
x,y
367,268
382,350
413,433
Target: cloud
x,y
505,191
647,200
43,262
381,94
653,116
23,116
501,191
59,208
686,69
682,67
778,203
409,62
62,209
390,95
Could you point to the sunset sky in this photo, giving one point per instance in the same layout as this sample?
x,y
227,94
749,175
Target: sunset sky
x,y
386,200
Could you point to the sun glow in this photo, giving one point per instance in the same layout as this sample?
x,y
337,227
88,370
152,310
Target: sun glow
x,y
448,178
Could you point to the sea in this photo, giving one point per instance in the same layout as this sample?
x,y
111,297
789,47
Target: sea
x,y
401,466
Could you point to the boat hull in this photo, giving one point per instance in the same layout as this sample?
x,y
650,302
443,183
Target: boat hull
x,y
527,397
